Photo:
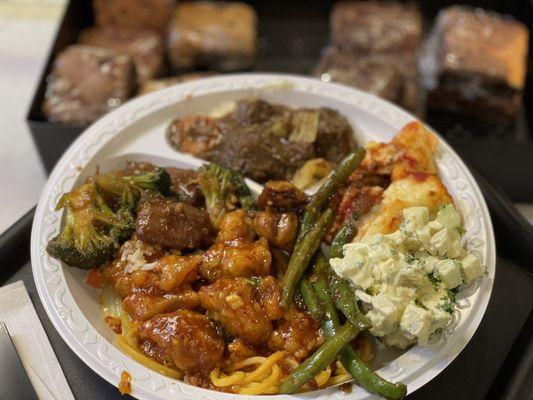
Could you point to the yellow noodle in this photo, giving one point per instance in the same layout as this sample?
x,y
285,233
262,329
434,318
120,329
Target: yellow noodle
x,y
263,368
247,362
322,377
145,360
222,380
335,380
267,385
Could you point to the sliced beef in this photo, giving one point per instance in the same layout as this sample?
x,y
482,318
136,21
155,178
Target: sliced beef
x,y
174,225
185,338
233,304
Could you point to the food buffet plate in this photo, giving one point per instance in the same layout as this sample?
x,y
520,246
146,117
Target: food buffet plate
x,y
137,131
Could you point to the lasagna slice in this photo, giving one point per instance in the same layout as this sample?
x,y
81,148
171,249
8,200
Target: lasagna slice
x,y
409,161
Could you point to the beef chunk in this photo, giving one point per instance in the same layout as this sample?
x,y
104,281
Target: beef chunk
x,y
334,136
184,184
87,82
219,35
185,338
174,225
481,63
143,46
281,195
233,304
134,14
257,153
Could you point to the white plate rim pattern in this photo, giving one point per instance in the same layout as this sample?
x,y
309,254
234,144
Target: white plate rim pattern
x,y
416,367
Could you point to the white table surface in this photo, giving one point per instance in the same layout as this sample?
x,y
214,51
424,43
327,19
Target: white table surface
x,y
27,28
26,31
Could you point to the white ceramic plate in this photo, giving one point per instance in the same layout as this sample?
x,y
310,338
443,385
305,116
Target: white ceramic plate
x,y
136,131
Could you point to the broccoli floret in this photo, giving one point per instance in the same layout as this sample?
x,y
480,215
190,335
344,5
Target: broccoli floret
x,y
224,189
86,240
157,180
128,188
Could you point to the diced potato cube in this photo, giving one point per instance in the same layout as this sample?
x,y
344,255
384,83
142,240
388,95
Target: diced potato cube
x,y
449,217
414,218
471,268
449,273
416,321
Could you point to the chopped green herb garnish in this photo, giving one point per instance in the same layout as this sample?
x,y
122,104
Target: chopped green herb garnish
x,y
433,279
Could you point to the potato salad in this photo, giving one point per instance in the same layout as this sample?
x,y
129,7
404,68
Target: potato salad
x,y
407,280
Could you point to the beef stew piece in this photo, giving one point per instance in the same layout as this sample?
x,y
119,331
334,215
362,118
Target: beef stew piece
x,y
264,141
172,224
86,82
145,48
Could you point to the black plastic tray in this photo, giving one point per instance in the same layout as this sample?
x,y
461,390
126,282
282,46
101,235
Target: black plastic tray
x,y
291,35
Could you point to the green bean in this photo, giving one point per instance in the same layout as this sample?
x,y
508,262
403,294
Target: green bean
x,y
320,359
344,297
301,256
310,300
343,236
341,291
332,184
348,357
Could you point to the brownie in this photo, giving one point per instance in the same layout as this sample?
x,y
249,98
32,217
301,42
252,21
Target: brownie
x,y
133,14
480,60
217,35
375,26
145,47
86,82
391,76
163,83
